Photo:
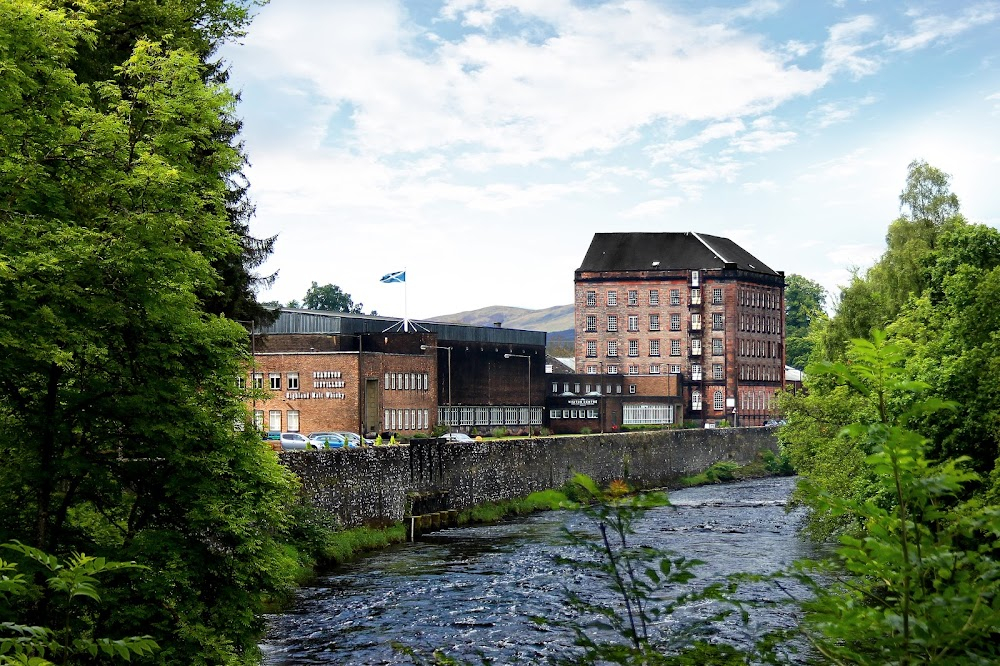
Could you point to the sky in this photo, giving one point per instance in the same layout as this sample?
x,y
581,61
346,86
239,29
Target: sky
x,y
480,144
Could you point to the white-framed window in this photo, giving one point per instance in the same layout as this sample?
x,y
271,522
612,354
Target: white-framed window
x,y
591,369
717,321
293,420
633,347
675,296
591,299
555,387
612,370
675,347
696,297
654,347
631,388
274,380
675,369
241,382
696,400
618,388
716,371
258,418
696,372
718,401
633,323
258,380
591,348
716,296
654,322
633,297
612,297
565,387
633,369
717,347
654,296
612,348
293,381
576,388
592,414
654,368
694,278
696,346
591,324
675,322
274,419
555,413
612,323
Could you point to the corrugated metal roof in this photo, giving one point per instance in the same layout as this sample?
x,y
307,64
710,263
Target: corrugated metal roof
x,y
321,321
643,251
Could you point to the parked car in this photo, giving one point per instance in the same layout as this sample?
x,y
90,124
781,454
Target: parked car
x,y
773,422
354,439
460,437
330,440
272,436
295,441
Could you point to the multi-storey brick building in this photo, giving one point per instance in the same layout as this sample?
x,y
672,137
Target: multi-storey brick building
x,y
321,371
650,305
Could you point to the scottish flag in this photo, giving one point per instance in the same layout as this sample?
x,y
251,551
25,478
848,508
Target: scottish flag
x,y
398,276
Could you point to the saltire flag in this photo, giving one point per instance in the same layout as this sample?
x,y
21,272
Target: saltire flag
x,y
398,276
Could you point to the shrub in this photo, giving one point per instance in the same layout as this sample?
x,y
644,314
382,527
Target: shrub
x,y
585,430
499,432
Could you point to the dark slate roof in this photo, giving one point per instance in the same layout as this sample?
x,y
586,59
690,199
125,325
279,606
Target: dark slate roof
x,y
673,250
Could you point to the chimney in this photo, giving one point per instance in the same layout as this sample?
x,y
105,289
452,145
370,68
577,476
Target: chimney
x,y
497,324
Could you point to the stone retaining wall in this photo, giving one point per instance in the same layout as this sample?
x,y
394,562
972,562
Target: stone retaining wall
x,y
374,485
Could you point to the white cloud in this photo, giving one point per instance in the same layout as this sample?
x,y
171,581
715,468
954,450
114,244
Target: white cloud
x,y
759,186
652,208
846,48
929,30
839,111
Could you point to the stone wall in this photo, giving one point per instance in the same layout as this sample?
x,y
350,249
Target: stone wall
x,y
374,485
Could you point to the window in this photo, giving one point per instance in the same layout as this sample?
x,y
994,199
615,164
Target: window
x,y
696,347
633,322
258,418
591,324
591,369
258,380
612,297
612,323
612,348
716,296
654,368
696,400
675,347
293,381
633,297
612,370
675,369
591,348
718,403
654,322
717,321
696,371
576,388
694,278
675,296
654,347
274,379
293,420
631,389
654,296
716,371
695,321
675,322
591,299
565,387
633,369
274,420
717,347
555,387
696,297
633,347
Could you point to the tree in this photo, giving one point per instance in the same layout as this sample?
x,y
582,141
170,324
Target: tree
x,y
116,375
330,297
804,301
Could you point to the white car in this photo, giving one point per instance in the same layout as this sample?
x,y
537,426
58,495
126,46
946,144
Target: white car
x,y
459,437
294,441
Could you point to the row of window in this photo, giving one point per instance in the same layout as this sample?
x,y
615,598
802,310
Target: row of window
x,y
325,379
760,299
573,414
755,400
489,416
652,297
718,347
759,348
406,381
760,323
760,373
632,322
407,419
718,400
274,418
587,388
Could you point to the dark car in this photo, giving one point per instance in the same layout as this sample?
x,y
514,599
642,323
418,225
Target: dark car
x,y
330,440
272,436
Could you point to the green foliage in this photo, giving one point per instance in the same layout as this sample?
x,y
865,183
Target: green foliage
x,y
639,634
330,297
71,593
585,430
919,582
778,465
499,432
804,313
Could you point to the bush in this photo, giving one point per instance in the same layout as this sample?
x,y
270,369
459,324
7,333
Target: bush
x,y
722,471
499,432
585,430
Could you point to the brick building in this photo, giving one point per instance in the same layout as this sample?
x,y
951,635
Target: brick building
x,y
699,307
333,371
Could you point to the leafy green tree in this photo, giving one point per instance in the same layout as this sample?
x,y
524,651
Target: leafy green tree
x,y
330,297
804,303
118,375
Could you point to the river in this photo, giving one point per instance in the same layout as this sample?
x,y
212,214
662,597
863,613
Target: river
x,y
471,592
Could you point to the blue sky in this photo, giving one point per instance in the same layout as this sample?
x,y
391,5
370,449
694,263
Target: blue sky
x,y
479,144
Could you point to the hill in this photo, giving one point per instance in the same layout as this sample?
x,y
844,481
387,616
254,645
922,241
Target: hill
x,y
557,321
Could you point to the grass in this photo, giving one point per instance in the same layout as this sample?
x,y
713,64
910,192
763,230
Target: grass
x,y
545,500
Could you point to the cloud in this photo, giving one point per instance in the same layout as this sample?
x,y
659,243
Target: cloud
x,y
929,30
846,47
759,186
833,113
652,208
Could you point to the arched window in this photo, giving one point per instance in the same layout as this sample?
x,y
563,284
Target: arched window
x,y
695,399
717,401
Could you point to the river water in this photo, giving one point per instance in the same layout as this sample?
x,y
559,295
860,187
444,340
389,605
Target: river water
x,y
471,592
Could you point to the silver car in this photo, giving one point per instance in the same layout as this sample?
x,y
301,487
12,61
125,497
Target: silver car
x,y
294,441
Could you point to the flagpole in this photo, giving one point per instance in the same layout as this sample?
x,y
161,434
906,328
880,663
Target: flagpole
x,y
406,318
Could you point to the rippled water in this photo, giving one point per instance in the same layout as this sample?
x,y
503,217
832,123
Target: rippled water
x,y
472,591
